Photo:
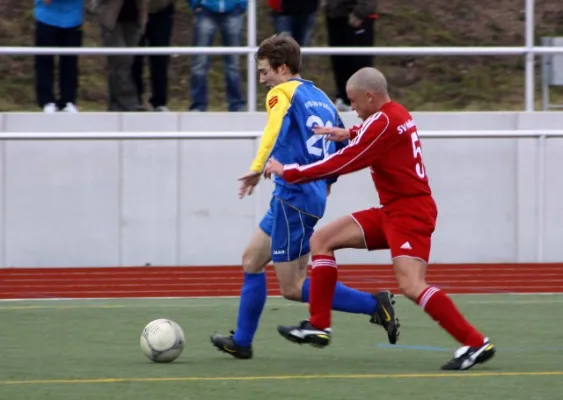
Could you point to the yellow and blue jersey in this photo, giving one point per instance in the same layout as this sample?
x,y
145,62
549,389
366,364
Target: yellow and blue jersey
x,y
294,108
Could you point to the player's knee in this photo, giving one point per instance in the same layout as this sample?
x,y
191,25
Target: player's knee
x,y
410,273
290,291
410,287
407,290
320,242
251,263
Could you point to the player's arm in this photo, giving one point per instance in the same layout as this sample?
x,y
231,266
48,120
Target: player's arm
x,y
364,9
277,105
338,146
359,154
337,134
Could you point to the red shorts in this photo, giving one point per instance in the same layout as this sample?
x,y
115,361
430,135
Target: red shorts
x,y
405,227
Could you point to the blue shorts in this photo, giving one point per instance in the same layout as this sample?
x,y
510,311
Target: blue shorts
x,y
289,229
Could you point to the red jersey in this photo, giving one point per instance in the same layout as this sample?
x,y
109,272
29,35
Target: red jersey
x,y
388,143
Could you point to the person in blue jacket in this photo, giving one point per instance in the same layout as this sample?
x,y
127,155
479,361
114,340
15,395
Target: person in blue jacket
x,y
210,16
58,23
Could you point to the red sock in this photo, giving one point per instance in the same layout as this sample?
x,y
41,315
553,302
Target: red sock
x,y
442,309
322,286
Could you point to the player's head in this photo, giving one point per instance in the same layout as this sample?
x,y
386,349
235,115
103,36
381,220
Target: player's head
x,y
367,91
279,58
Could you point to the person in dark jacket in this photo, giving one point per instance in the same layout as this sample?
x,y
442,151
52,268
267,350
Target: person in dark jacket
x,y
158,33
122,22
58,23
350,23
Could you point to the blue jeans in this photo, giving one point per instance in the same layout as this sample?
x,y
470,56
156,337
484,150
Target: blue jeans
x,y
206,24
299,26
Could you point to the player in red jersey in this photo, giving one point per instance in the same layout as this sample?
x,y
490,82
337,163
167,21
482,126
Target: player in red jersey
x,y
387,142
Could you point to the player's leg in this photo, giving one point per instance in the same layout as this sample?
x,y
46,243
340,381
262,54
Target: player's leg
x,y
295,286
361,230
410,251
346,232
291,276
253,294
345,298
295,231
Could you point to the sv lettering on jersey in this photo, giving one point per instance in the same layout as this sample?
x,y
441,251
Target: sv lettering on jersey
x,y
406,126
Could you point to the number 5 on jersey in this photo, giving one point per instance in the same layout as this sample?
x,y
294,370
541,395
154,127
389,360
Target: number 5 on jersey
x,y
417,153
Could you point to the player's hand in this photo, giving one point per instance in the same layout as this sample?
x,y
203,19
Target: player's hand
x,y
248,183
354,21
274,167
333,134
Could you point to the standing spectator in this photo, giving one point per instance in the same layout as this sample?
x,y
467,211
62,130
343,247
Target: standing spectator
x,y
350,23
228,17
122,22
295,17
158,33
58,23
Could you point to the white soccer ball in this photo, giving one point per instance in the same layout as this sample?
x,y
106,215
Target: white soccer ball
x,y
162,340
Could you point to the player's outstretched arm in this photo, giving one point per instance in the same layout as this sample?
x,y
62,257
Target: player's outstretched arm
x,y
360,153
333,134
347,160
337,134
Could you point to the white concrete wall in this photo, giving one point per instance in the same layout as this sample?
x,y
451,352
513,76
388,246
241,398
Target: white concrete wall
x,y
107,203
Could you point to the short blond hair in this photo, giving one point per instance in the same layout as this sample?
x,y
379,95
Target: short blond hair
x,y
369,79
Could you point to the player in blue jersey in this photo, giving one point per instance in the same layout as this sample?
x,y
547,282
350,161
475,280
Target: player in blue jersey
x,y
294,107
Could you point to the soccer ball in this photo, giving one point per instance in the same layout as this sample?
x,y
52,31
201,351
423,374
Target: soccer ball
x,y
162,340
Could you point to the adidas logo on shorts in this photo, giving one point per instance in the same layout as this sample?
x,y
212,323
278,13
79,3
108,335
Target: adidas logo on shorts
x,y
406,246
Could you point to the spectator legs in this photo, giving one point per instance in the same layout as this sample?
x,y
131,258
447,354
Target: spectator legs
x,y
231,25
341,34
206,25
158,33
45,36
53,36
137,70
121,87
299,26
204,33
68,67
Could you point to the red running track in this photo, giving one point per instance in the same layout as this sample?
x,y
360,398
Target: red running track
x,y
41,283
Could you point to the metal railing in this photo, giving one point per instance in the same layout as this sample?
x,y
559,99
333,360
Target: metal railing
x,y
476,134
528,50
540,135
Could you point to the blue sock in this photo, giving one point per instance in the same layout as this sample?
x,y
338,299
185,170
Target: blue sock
x,y
252,300
346,299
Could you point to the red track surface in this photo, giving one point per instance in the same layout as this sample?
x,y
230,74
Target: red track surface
x,y
38,283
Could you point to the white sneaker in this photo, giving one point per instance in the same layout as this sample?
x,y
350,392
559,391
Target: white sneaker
x,y
70,108
467,357
50,108
161,109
